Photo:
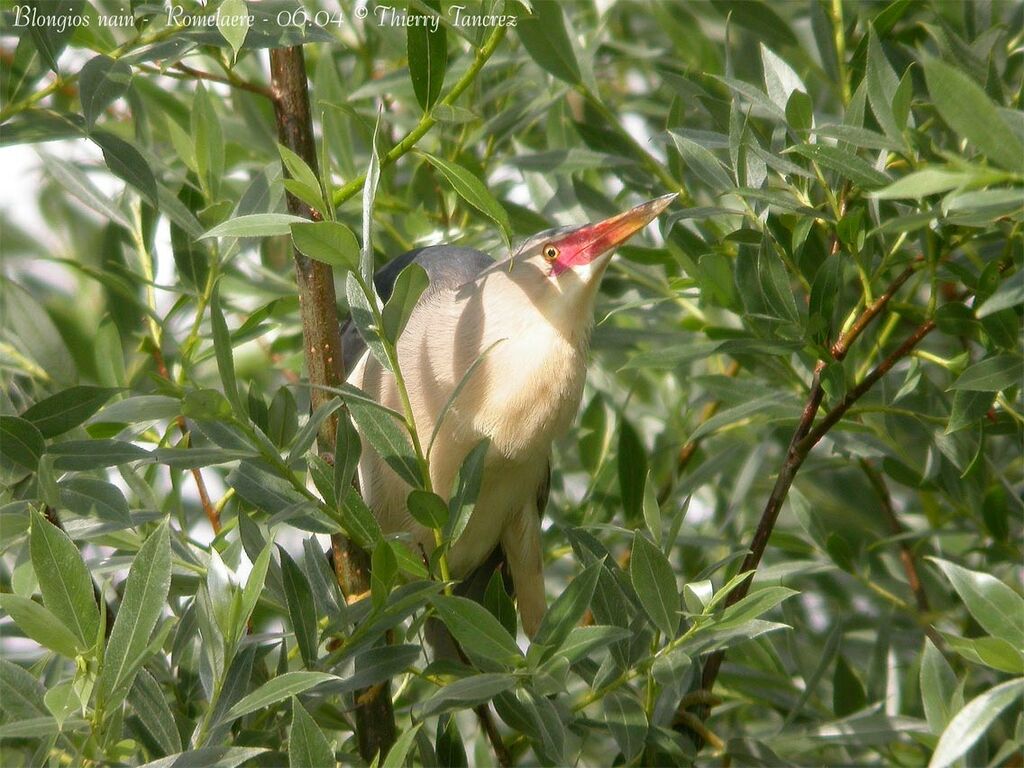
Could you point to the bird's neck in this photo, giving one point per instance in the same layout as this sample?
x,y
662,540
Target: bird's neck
x,y
535,374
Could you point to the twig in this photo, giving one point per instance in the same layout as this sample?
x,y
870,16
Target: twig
x,y
804,439
185,72
906,554
212,512
501,752
375,719
353,188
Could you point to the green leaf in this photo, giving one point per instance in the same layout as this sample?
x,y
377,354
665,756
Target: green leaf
x,y
361,311
77,183
567,610
938,686
583,640
301,610
87,496
139,409
499,603
95,454
64,580
369,195
929,181
358,521
752,606
347,450
1010,293
844,163
145,594
478,633
632,468
147,699
627,721
467,487
965,108
255,225
848,695
209,142
544,36
465,693
307,745
41,625
973,720
400,749
427,47
427,509
225,354
988,651
383,572
652,510
780,80
126,162
233,24
328,241
277,689
992,374
473,191
387,439
100,83
705,165
410,285
21,694
302,442
655,584
254,585
882,84
303,177
21,443
993,604
208,757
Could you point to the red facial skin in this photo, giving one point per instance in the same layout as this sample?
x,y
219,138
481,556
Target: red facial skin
x,y
585,244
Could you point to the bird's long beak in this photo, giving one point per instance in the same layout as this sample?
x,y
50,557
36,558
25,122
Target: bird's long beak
x,y
584,245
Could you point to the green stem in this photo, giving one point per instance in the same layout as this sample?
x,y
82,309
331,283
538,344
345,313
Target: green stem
x,y
839,34
60,82
426,122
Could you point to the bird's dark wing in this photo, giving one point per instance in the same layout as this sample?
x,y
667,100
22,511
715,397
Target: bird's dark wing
x,y
447,266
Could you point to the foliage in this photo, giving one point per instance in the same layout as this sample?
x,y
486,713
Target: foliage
x,y
822,339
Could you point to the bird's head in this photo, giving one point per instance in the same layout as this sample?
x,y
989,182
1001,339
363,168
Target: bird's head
x,y
560,269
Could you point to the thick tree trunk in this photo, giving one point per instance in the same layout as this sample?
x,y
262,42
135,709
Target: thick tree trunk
x,y
375,719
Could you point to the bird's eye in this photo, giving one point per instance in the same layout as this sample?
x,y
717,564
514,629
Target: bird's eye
x,y
550,252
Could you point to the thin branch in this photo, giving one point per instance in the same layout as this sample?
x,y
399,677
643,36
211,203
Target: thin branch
x,y
427,122
490,728
906,553
805,438
865,385
185,72
212,512
375,719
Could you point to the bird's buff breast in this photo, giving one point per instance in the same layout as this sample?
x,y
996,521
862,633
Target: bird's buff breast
x,y
522,396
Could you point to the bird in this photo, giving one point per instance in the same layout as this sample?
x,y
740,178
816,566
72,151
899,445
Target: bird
x,y
530,317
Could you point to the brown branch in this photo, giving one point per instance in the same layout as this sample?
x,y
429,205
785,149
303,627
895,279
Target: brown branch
x,y
501,753
234,82
861,389
906,554
375,719
212,514
805,438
